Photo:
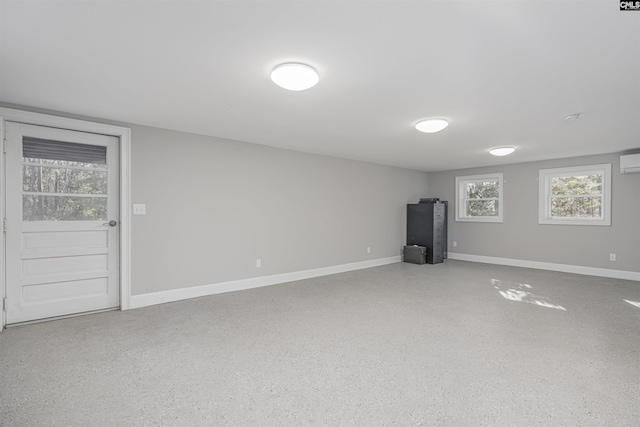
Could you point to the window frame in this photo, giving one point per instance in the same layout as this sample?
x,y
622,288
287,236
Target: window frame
x,y
461,200
545,196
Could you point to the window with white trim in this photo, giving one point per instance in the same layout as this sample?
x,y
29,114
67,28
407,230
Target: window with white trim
x,y
479,198
575,196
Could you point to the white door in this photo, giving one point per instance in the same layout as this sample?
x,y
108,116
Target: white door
x,y
62,222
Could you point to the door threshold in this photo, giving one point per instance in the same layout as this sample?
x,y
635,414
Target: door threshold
x,y
66,316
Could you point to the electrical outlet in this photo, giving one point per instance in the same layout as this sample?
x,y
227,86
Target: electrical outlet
x,y
455,244
612,257
368,250
258,263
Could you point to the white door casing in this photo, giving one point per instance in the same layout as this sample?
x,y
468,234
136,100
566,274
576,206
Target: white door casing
x,y
60,267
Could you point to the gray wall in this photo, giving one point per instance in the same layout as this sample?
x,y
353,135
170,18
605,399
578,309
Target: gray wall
x,y
214,206
521,237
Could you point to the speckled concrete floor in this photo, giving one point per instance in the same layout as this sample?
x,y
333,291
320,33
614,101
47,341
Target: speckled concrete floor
x,y
450,344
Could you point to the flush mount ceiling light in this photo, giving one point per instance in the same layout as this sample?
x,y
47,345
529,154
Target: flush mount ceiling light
x,y
502,151
432,125
295,76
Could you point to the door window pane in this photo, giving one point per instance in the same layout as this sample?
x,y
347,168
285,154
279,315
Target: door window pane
x,y
38,179
63,208
63,181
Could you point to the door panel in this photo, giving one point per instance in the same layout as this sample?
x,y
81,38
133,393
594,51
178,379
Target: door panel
x,y
63,290
62,191
40,242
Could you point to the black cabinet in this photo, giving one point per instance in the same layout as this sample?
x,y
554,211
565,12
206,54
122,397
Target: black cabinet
x,y
427,226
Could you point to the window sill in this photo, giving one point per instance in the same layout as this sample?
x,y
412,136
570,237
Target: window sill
x,y
493,220
599,222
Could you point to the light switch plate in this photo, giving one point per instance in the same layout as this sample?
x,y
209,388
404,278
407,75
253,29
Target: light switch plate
x,y
139,209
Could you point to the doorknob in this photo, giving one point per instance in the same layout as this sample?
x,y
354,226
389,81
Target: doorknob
x,y
111,223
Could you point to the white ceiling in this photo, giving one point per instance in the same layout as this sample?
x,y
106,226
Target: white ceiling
x,y
501,72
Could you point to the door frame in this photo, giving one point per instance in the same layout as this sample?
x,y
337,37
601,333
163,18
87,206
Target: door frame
x,y
124,136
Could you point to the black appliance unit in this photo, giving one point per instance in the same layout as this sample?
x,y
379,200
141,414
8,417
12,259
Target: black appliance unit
x,y
427,226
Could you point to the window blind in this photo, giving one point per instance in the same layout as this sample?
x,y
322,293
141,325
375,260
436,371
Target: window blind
x,y
38,148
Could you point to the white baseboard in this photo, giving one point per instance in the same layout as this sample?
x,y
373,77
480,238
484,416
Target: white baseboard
x,y
154,298
565,268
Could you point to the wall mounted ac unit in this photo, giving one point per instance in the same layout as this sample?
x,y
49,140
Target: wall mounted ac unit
x,y
630,163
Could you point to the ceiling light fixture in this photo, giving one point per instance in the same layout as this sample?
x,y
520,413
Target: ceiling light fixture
x,y
431,125
293,76
502,151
